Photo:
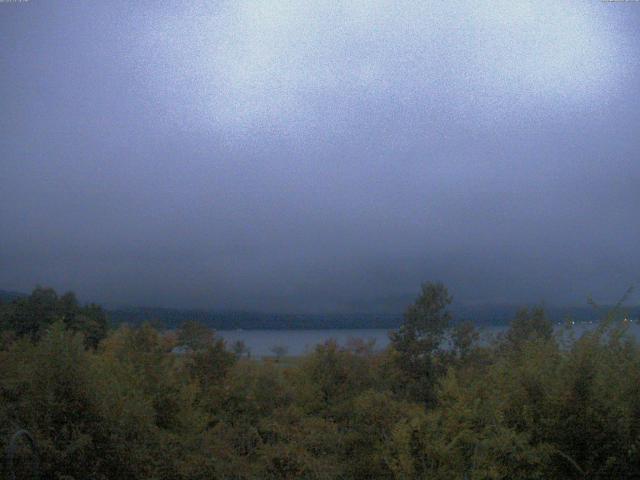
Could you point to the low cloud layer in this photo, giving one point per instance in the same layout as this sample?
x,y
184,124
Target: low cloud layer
x,y
319,157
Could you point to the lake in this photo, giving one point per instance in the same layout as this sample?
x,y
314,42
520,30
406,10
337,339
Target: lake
x,y
299,342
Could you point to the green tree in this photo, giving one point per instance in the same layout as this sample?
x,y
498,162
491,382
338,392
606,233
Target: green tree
x,y
46,390
31,316
330,378
464,338
240,349
419,338
195,335
279,351
527,326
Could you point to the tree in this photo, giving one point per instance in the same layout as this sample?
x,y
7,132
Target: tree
x,y
464,337
210,365
31,316
46,387
279,351
528,326
195,335
329,378
240,349
419,337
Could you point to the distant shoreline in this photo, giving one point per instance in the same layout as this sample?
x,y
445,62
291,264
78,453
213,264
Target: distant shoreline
x,y
490,316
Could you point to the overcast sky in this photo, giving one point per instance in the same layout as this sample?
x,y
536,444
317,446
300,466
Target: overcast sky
x,y
320,156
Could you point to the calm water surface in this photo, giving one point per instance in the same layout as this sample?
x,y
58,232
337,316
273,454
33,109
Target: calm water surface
x,y
299,342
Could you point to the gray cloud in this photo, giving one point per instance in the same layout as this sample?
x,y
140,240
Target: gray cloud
x,y
319,156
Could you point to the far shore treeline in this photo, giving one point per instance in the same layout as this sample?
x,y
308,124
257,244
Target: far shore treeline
x,y
117,402
484,315
481,316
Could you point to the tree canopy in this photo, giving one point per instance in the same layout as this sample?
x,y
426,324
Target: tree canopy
x,y
437,403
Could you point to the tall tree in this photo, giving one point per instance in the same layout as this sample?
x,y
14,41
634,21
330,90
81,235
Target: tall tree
x,y
419,338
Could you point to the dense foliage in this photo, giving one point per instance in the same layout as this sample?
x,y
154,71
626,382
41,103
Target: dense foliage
x,y
532,404
32,315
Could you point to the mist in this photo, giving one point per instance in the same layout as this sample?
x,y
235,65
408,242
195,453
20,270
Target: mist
x,y
319,156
